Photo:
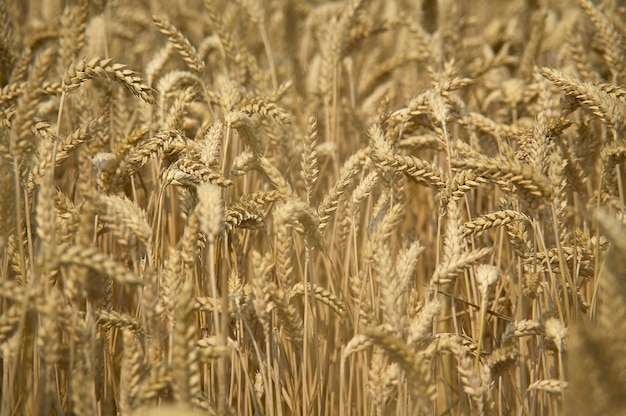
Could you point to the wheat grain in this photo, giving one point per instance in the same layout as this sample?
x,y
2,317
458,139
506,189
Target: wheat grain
x,y
417,169
447,271
550,386
20,146
530,183
230,48
491,220
323,295
126,220
86,69
472,383
181,43
348,174
91,258
7,53
131,377
602,105
185,377
174,119
501,360
259,105
72,36
612,40
10,321
420,326
188,172
412,363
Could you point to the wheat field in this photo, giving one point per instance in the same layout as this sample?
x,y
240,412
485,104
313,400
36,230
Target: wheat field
x,y
266,207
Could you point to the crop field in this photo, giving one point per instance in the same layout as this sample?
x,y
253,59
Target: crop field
x,y
274,207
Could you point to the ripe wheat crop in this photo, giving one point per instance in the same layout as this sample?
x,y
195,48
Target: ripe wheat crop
x,y
263,207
